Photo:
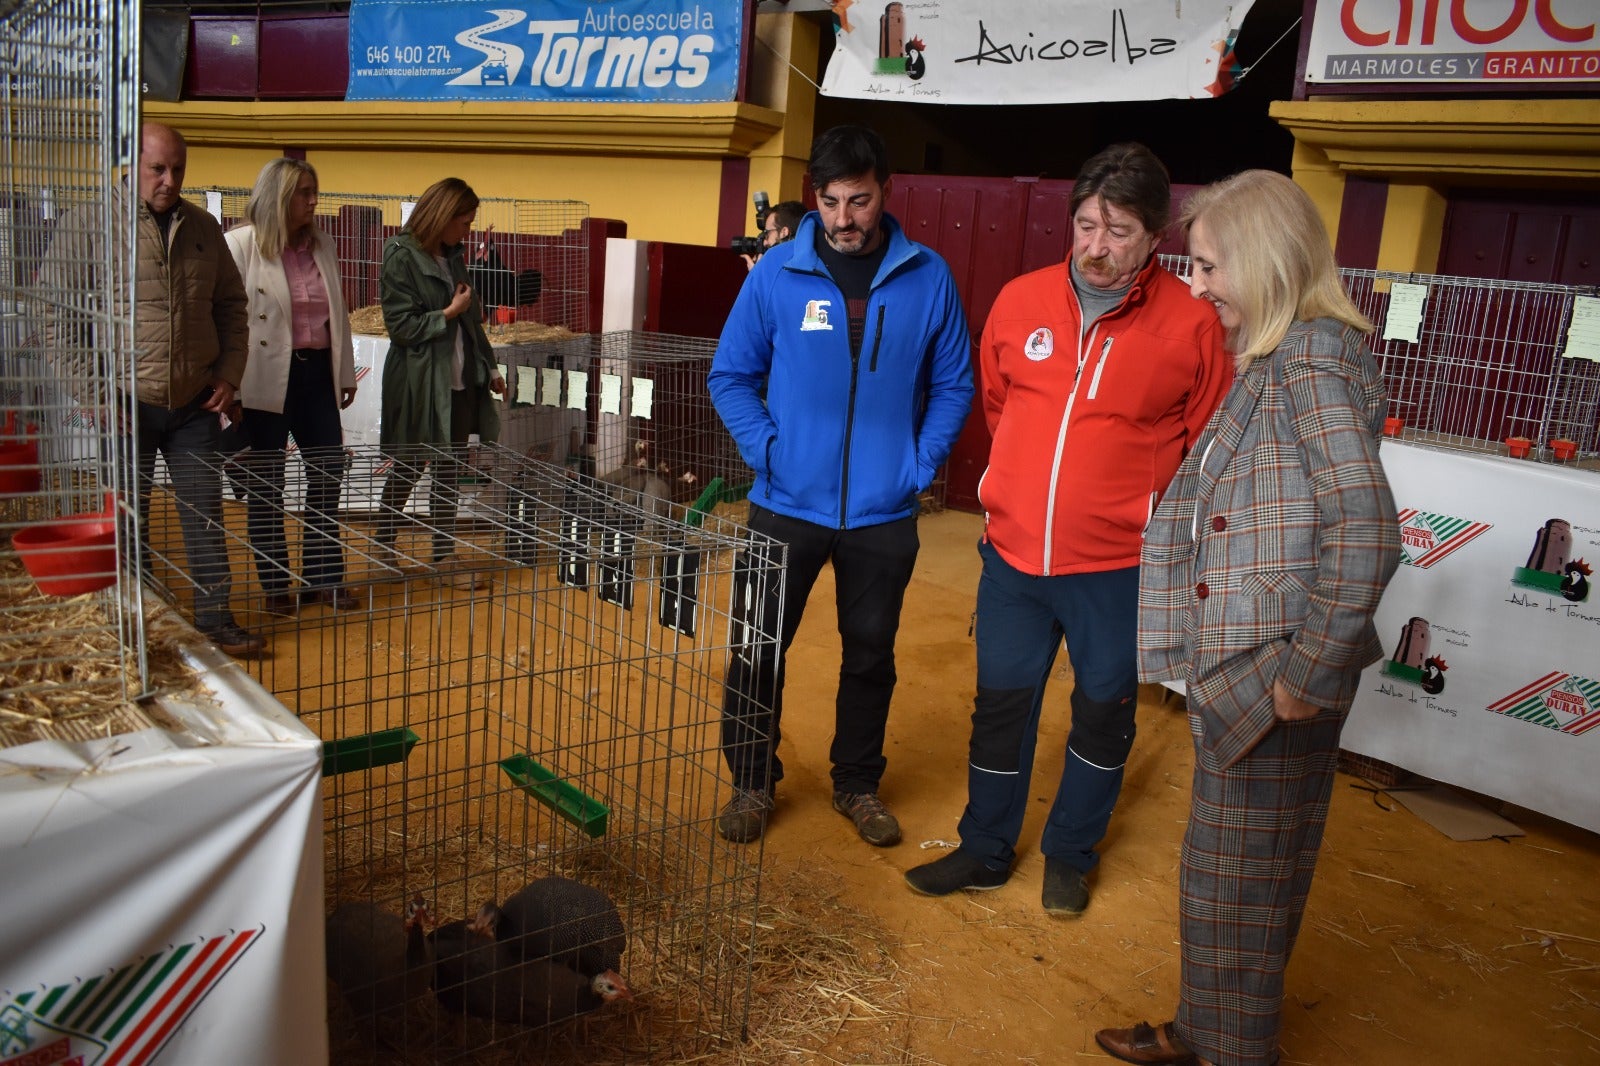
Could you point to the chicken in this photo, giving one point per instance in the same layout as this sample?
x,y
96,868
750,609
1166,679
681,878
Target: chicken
x,y
379,960
473,974
569,923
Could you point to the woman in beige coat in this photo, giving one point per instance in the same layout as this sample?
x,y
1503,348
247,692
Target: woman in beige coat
x,y
301,373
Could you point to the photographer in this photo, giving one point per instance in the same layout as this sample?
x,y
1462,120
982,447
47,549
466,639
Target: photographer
x,y
778,225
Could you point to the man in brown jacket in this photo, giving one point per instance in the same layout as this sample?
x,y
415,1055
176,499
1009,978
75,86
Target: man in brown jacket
x,y
191,341
191,332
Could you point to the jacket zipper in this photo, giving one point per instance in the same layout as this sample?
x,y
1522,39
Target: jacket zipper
x,y
849,430
877,339
1061,443
1099,367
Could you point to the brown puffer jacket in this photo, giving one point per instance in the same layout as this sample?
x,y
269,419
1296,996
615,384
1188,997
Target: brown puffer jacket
x,y
190,319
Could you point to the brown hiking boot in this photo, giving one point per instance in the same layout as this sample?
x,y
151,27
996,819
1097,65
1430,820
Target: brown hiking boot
x,y
873,820
744,818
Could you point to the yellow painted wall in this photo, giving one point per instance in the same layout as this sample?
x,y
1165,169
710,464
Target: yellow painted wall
x,y
1424,148
664,200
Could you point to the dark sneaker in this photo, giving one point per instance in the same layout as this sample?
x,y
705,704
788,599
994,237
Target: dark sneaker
x,y
281,604
873,820
340,599
240,643
956,872
1066,889
744,818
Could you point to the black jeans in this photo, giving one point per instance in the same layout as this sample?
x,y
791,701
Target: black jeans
x,y
871,567
311,413
186,437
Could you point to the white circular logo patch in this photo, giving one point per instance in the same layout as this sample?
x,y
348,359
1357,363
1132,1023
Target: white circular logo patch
x,y
1041,342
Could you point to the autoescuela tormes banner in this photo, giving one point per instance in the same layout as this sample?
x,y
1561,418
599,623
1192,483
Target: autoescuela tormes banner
x,y
606,51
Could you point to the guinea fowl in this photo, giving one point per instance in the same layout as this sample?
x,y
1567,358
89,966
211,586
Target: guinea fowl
x,y
464,959
473,974
379,960
567,922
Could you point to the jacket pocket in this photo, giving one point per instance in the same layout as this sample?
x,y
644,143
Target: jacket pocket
x,y
1276,583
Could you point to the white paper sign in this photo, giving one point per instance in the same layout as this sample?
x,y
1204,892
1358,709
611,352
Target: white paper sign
x,y
1583,335
505,375
644,391
527,385
550,386
577,389
1033,51
610,394
214,204
406,207
1404,320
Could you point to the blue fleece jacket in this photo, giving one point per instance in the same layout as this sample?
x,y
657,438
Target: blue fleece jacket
x,y
840,438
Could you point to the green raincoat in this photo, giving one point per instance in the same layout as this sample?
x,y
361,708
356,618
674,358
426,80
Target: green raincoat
x,y
416,372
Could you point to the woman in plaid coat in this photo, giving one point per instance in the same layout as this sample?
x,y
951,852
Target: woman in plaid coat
x,y
1259,577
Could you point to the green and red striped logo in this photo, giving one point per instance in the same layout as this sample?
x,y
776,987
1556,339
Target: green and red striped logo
x,y
1559,701
121,1018
1427,538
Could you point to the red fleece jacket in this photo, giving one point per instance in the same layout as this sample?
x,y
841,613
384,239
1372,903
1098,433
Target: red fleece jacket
x,y
1089,427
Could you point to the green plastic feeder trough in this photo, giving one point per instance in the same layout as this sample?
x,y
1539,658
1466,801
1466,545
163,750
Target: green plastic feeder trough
x,y
366,751
717,491
585,812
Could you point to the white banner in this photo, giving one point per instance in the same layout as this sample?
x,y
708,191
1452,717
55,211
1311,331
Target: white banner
x,y
1491,680
1032,51
1485,41
163,889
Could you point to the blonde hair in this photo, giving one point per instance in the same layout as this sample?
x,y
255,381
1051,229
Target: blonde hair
x,y
1274,249
443,201
268,208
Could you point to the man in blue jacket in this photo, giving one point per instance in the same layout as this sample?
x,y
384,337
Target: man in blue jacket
x,y
844,374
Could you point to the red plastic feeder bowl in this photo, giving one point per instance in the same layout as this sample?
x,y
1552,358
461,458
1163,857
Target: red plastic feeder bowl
x,y
71,556
1563,449
19,467
19,457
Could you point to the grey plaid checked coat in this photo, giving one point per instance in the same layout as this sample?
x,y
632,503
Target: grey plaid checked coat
x,y
1268,555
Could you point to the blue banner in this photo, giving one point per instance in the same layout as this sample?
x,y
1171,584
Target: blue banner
x,y
600,51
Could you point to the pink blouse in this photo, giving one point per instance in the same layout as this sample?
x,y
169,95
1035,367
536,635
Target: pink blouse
x,y
308,297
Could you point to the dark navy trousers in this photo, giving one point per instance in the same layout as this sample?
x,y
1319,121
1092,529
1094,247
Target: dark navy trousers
x,y
1022,621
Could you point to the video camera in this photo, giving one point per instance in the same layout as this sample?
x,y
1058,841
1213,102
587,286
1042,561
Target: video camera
x,y
752,246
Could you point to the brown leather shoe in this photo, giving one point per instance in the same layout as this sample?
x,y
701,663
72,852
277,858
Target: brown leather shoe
x,y
1145,1044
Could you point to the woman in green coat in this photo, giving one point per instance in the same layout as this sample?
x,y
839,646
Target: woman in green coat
x,y
440,369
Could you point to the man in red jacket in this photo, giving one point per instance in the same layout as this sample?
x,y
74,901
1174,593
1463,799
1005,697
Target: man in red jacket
x,y
1097,374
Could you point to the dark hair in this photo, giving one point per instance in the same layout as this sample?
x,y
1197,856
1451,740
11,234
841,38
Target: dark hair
x,y
787,215
1130,176
846,152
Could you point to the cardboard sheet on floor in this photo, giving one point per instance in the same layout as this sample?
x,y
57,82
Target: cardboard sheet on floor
x,y
1457,816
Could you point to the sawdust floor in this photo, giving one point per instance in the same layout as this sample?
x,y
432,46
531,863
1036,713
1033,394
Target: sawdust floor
x,y
1415,948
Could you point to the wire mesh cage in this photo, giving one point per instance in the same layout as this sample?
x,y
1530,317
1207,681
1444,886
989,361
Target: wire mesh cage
x,y
530,690
70,639
1488,364
1490,367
